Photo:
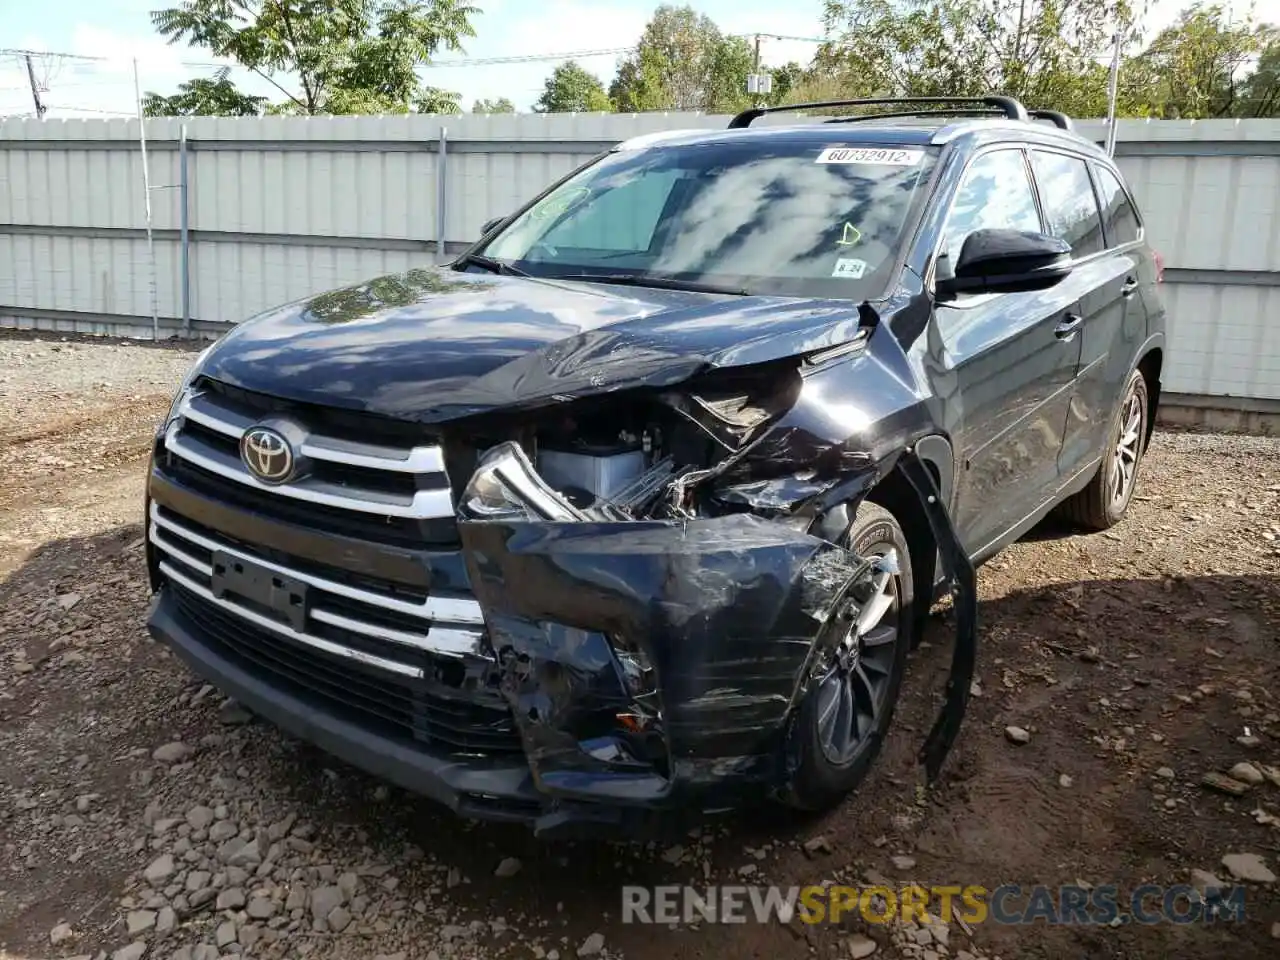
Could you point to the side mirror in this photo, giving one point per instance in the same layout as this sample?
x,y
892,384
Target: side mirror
x,y
1007,261
490,226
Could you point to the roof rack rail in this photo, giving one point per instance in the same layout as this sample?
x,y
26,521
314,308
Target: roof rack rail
x,y
898,115
1010,107
1060,120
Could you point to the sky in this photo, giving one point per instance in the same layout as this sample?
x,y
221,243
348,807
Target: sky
x,y
120,30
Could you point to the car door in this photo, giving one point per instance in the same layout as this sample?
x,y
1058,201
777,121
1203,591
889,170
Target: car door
x,y
1098,281
1115,325
1001,364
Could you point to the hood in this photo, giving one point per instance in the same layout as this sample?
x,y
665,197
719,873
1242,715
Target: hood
x,y
435,344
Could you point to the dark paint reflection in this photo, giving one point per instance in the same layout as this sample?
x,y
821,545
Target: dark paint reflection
x,y
432,345
396,290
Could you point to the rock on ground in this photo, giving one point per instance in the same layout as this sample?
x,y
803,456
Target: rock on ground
x,y
1248,866
1017,735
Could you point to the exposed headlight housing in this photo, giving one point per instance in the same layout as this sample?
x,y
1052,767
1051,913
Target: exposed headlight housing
x,y
505,486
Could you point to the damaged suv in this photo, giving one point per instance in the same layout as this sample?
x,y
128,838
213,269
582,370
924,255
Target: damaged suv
x,y
639,505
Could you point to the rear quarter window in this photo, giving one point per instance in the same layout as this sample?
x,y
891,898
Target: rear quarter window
x,y
1119,218
1070,207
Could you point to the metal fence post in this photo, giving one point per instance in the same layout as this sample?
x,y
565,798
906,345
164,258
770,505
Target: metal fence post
x,y
441,186
184,225
146,193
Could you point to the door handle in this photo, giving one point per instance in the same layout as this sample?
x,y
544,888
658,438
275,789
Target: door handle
x,y
1130,285
1066,330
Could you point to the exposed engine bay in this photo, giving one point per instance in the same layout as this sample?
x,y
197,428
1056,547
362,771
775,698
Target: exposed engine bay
x,y
642,456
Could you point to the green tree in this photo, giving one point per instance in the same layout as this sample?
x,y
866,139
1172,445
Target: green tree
x,y
683,62
214,96
1202,66
345,56
572,89
1260,91
501,105
786,79
1048,53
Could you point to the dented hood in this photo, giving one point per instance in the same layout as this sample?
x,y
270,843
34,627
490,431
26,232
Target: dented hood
x,y
435,344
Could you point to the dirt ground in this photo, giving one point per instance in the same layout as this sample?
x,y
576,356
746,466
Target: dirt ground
x,y
142,817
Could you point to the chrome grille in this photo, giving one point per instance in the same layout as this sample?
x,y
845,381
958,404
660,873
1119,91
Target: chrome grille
x,y
405,659
410,709
388,482
342,620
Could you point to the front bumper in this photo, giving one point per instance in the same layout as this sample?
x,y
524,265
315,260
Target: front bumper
x,y
482,790
732,613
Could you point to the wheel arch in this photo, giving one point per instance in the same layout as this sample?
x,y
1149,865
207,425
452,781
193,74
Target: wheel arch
x,y
895,493
1151,362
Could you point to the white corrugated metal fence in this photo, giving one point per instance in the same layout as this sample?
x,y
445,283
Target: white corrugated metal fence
x,y
282,208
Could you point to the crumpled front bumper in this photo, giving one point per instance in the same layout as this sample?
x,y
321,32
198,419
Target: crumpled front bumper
x,y
724,610
731,614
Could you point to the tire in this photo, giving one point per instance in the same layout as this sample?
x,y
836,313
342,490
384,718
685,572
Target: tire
x,y
1104,502
824,774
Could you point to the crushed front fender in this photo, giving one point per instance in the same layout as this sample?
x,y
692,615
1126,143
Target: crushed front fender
x,y
658,662
724,611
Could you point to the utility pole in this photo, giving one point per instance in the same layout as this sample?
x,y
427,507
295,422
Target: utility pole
x,y
758,83
1113,85
40,107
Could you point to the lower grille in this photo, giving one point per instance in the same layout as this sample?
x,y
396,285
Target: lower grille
x,y
420,710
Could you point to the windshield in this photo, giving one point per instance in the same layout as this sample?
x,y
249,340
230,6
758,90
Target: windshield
x,y
763,216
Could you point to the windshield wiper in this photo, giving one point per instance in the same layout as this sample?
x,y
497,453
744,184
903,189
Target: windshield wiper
x,y
488,263
642,280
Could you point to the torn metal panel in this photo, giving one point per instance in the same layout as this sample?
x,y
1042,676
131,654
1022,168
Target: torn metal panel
x,y
960,570
725,610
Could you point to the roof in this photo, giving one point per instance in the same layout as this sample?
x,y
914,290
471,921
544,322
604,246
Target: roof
x,y
903,131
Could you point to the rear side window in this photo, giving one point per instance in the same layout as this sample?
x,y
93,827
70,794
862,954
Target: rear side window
x,y
1070,207
1118,215
995,194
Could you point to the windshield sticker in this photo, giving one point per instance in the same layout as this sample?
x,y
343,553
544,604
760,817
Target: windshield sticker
x,y
872,155
849,269
850,236
555,206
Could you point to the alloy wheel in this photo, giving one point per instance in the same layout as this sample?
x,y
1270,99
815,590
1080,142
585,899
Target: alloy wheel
x,y
853,689
1128,449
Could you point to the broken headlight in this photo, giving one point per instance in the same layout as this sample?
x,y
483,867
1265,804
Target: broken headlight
x,y
634,455
506,487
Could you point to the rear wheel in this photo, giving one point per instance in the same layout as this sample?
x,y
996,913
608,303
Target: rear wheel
x,y
1104,502
843,719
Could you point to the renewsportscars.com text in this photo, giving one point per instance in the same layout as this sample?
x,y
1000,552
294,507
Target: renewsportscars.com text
x,y
1103,905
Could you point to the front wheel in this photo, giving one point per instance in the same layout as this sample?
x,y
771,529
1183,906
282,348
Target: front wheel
x,y
845,715
1104,502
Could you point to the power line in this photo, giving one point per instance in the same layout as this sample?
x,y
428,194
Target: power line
x,y
529,58
109,113
458,62
779,36
86,58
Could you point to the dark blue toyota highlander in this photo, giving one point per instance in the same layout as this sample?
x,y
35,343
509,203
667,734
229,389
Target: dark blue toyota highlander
x,y
637,507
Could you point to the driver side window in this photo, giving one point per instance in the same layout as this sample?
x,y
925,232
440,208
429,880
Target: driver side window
x,y
995,193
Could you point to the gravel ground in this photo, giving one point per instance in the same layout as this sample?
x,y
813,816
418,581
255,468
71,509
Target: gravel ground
x,y
141,816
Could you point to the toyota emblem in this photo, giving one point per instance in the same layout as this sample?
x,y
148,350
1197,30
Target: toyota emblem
x,y
267,454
